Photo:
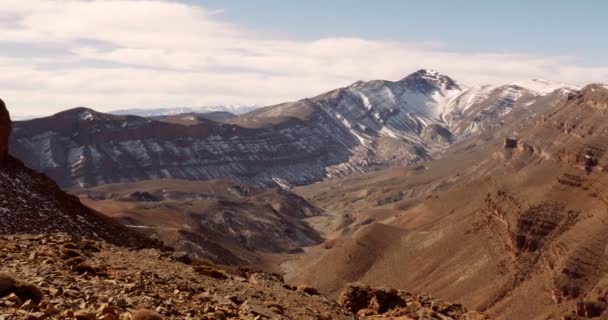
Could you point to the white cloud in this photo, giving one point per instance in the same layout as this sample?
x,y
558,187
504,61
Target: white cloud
x,y
124,53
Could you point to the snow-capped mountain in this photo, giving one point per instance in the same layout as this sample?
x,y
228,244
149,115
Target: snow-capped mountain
x,y
234,109
364,126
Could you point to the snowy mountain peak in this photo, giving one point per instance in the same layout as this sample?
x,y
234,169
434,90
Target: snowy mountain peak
x,y
427,80
79,112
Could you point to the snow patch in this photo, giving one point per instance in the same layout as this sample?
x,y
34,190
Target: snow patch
x,y
542,86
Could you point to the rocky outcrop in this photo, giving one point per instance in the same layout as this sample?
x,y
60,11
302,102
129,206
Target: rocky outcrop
x,y
510,143
5,130
394,304
592,96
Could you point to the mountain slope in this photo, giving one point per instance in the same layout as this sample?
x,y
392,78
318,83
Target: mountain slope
x,y
32,203
81,147
363,127
218,220
514,227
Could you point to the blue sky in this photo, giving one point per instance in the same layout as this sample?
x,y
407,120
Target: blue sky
x,y
554,27
117,54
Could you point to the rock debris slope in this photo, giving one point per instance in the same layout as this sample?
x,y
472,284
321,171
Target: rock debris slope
x,y
32,203
94,280
365,126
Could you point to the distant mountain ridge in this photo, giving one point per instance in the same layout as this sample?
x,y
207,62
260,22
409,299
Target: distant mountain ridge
x,y
146,112
365,126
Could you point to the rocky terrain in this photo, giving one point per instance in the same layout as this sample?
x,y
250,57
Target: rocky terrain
x,y
512,226
362,127
57,277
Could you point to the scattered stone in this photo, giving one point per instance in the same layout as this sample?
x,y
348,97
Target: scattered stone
x,y
146,315
211,272
309,290
24,290
182,257
166,289
84,315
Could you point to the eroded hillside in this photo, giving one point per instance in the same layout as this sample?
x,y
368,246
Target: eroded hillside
x,y
514,227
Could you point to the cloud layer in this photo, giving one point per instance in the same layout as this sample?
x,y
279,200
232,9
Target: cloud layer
x,y
125,53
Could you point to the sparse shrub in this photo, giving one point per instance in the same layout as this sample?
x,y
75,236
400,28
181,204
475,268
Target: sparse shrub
x,y
24,290
146,315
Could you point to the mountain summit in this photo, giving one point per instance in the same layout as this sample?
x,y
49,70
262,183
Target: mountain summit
x,y
427,80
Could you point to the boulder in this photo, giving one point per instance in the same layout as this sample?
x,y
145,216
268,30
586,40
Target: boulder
x,y
377,301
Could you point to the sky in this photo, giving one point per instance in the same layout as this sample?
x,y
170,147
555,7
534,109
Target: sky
x,y
117,54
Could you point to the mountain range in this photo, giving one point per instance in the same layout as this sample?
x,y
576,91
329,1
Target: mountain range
x,y
365,126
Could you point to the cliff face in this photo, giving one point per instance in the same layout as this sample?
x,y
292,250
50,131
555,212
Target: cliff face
x,y
5,130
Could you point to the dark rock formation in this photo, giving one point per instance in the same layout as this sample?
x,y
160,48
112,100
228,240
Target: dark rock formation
x,y
396,304
510,143
5,130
